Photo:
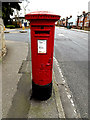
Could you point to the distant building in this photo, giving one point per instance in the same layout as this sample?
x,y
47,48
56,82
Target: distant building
x,y
61,22
87,20
83,21
65,21
20,21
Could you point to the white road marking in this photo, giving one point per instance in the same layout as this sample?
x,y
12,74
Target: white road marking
x,y
58,100
67,88
60,34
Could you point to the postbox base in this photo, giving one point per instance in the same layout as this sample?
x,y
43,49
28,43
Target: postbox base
x,y
41,92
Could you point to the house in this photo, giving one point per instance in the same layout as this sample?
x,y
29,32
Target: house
x,y
87,20
64,22
83,21
20,21
61,22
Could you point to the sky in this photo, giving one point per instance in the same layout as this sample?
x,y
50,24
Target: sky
x,y
64,8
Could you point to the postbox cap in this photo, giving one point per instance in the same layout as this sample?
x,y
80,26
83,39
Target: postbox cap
x,y
42,15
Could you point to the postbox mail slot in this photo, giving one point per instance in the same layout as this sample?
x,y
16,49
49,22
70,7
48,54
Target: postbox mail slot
x,y
42,32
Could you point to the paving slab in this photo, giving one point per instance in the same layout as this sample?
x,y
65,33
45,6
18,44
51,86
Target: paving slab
x,y
43,109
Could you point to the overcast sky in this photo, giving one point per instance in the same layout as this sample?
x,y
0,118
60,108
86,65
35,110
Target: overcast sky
x,y
63,8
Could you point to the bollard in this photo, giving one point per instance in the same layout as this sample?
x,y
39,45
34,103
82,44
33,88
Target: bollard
x,y
4,28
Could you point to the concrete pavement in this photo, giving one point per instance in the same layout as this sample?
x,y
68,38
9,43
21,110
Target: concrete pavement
x,y
16,53
16,87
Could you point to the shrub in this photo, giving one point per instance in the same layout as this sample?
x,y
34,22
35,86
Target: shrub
x,y
10,26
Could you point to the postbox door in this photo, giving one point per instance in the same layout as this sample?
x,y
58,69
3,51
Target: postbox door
x,y
42,56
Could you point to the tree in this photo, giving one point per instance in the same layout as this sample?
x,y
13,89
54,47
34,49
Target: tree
x,y
7,10
25,4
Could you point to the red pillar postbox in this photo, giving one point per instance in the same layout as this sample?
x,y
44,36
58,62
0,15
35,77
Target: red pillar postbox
x,y
42,45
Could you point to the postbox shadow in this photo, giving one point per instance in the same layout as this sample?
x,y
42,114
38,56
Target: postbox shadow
x,y
21,103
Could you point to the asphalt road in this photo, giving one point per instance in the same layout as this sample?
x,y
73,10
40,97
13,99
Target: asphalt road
x,y
15,35
71,52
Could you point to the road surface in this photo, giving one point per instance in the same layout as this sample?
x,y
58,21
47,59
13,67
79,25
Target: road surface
x,y
71,52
